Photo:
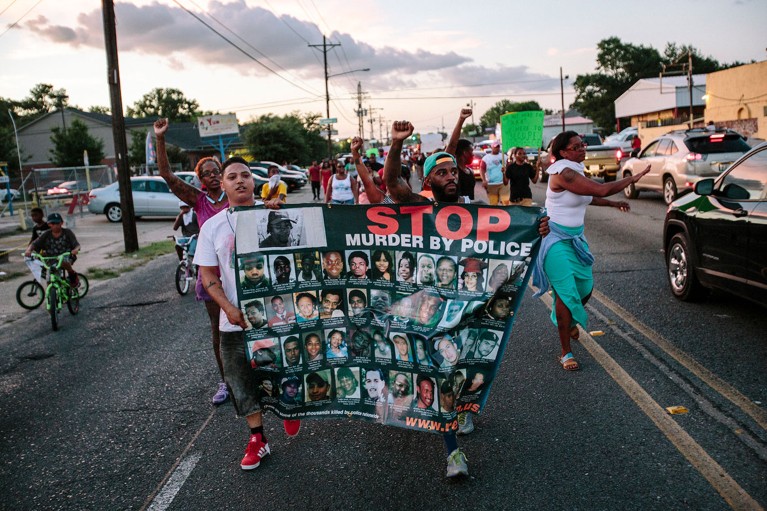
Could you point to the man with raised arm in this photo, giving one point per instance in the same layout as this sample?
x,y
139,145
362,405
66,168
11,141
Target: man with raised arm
x,y
463,150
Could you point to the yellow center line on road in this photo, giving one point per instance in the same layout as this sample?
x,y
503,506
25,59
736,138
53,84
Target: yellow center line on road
x,y
716,476
722,387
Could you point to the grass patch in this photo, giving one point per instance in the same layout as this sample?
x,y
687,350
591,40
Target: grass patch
x,y
103,273
153,250
136,259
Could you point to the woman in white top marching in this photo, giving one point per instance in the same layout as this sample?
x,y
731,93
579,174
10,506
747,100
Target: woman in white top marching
x,y
564,260
342,189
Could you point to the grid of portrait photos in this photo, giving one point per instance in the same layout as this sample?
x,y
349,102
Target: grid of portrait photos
x,y
408,338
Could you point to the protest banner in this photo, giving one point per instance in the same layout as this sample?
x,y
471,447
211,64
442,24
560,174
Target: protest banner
x,y
522,129
392,313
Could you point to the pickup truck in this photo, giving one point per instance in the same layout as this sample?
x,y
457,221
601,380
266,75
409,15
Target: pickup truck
x,y
603,160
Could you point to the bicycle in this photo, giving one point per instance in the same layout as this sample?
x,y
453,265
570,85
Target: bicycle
x,y
58,290
31,293
186,271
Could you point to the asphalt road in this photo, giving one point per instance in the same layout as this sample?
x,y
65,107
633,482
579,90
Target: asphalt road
x,y
112,411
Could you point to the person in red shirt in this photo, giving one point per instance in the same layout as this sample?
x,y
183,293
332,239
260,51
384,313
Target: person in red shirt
x,y
315,178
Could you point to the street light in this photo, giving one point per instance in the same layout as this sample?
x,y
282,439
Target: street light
x,y
327,101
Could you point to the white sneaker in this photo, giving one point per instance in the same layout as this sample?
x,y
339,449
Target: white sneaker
x,y
456,464
465,424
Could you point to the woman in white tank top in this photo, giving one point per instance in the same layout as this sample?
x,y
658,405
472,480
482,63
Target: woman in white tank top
x,y
342,189
564,258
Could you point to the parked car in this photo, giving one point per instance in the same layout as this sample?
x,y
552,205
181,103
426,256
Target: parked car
x,y
71,187
260,175
681,158
191,178
293,179
296,168
151,197
716,237
624,139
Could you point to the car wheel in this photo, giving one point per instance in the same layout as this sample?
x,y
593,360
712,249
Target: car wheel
x,y
669,190
681,272
114,213
630,191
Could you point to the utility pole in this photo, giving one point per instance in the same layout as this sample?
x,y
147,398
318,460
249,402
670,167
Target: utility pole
x,y
325,46
118,128
689,82
360,111
380,129
562,94
371,120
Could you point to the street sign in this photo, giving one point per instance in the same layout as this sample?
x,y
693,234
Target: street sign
x,y
4,179
331,120
324,133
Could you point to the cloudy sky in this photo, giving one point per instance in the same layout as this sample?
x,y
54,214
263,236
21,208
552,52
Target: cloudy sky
x,y
427,59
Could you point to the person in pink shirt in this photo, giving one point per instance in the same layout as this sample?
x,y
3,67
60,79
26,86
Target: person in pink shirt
x,y
205,204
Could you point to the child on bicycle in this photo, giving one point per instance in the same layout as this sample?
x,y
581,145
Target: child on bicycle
x,y
187,220
55,241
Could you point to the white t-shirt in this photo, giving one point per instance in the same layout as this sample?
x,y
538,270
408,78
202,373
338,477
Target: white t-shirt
x,y
566,208
215,247
494,168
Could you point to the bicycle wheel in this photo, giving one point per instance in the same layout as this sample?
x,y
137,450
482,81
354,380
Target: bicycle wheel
x,y
73,303
182,282
53,308
83,286
30,294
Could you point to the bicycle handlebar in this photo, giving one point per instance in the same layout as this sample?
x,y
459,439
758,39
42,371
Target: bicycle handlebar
x,y
43,259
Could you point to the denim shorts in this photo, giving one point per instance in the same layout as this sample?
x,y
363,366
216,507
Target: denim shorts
x,y
238,374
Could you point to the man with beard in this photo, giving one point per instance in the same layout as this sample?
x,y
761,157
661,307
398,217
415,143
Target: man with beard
x,y
330,304
375,385
401,394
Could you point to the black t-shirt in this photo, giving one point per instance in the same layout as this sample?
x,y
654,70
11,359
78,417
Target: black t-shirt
x,y
37,230
466,182
519,177
55,246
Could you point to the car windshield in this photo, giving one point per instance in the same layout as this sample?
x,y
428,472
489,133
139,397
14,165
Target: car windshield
x,y
716,143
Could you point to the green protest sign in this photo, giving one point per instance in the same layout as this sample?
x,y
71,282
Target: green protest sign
x,y
522,129
398,314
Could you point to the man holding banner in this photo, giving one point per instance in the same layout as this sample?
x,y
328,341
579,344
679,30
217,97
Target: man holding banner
x,y
215,254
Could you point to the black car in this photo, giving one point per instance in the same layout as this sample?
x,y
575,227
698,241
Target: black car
x,y
716,236
293,179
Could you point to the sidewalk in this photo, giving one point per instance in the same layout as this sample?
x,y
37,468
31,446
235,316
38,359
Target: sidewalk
x,y
101,242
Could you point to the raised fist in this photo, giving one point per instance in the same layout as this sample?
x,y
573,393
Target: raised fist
x,y
400,130
465,113
357,143
160,126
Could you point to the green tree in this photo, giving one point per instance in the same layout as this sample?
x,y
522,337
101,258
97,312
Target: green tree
x,y
493,116
99,109
169,103
291,138
43,98
620,65
69,144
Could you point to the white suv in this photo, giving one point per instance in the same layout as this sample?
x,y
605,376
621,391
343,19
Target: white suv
x,y
681,158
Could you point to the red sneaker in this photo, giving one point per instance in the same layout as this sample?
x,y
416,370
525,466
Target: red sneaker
x,y
292,427
255,450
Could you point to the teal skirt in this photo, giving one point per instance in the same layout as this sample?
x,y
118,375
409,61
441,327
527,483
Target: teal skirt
x,y
571,280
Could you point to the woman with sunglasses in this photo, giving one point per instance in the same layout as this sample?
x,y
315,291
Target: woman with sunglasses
x,y
205,204
564,260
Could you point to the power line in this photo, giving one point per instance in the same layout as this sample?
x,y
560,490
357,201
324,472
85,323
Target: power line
x,y
9,6
251,57
21,18
244,41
